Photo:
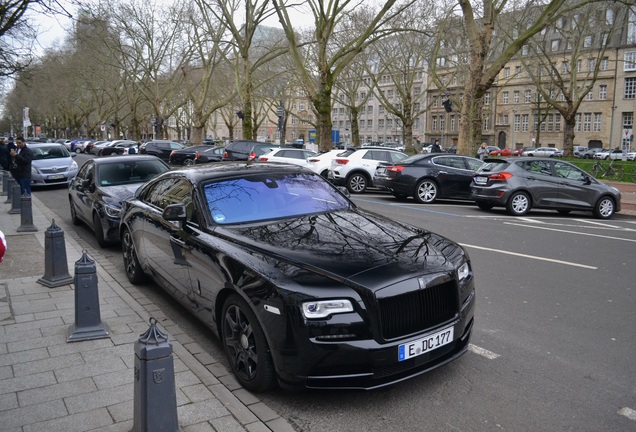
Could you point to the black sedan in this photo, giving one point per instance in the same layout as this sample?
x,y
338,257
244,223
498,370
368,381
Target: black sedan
x,y
302,287
428,177
196,154
97,191
520,184
118,148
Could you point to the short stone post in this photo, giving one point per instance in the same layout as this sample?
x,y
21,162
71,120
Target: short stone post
x,y
155,406
55,264
10,183
26,215
5,183
16,202
88,323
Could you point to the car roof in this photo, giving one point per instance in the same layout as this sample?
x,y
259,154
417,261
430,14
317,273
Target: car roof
x,y
219,170
123,158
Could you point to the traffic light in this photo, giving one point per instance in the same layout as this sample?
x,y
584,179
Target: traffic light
x,y
448,105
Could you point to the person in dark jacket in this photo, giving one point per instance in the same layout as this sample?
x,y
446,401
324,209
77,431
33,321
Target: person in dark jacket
x,y
4,156
435,148
21,169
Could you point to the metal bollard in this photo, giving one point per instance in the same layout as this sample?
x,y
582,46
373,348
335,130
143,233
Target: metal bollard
x,y
10,183
26,214
16,202
5,183
88,324
155,406
55,265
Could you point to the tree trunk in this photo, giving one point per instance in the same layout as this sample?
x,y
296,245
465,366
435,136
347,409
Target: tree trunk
x,y
407,135
568,135
248,125
322,104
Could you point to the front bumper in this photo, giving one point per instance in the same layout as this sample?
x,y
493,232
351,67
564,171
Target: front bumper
x,y
63,178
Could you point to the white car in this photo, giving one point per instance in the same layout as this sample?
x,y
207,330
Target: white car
x,y
287,155
631,156
355,168
544,152
321,162
609,154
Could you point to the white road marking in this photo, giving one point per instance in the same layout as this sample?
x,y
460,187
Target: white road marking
x,y
574,232
628,412
573,264
482,352
605,225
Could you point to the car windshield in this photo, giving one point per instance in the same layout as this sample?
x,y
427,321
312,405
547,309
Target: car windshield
x,y
120,173
270,196
50,152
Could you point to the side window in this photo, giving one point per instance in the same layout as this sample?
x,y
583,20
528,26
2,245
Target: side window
x,y
154,195
473,164
538,167
568,171
82,173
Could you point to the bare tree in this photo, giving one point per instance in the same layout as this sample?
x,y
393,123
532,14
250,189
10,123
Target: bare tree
x,y
321,58
565,79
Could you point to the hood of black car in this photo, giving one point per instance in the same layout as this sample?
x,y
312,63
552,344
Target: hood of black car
x,y
119,192
355,245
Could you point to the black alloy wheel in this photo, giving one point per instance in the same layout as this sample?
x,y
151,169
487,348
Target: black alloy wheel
x,y
131,263
188,162
245,346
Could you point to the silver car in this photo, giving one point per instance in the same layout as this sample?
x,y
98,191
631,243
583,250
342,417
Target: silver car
x,y
52,164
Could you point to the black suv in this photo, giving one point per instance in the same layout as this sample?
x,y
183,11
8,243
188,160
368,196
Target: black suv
x,y
160,148
246,150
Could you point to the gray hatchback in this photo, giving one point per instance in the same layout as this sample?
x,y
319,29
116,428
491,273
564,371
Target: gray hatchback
x,y
520,184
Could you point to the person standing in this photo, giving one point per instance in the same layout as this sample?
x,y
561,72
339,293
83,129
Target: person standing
x,y
481,152
435,148
4,156
21,170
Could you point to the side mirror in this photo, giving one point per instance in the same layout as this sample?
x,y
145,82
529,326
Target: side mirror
x,y
175,212
587,180
73,155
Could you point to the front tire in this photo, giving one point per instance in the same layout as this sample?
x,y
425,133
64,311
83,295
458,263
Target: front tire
x,y
518,204
245,346
357,183
99,231
74,218
604,208
426,192
484,205
134,273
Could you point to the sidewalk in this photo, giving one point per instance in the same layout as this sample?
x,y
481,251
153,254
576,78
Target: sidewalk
x,y
47,384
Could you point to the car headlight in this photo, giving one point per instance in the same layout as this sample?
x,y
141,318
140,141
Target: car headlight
x,y
34,171
112,211
463,271
73,166
325,308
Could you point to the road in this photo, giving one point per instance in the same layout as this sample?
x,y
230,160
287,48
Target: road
x,y
553,347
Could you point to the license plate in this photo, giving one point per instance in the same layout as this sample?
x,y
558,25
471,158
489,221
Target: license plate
x,y
481,180
425,344
56,177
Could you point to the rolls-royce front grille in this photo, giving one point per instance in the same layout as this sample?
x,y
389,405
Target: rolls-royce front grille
x,y
419,310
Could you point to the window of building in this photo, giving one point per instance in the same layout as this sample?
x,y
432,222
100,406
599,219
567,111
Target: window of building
x,y
370,109
486,123
589,95
587,122
591,64
389,94
597,122
487,98
380,123
517,71
524,122
557,122
604,39
506,72
363,110
369,124
609,17
628,126
577,126
630,60
579,65
516,122
442,123
602,92
362,124
549,123
452,123
435,101
434,123
524,50
554,46
389,123
515,97
631,26
587,42
565,67
528,96
604,64
504,97
630,88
